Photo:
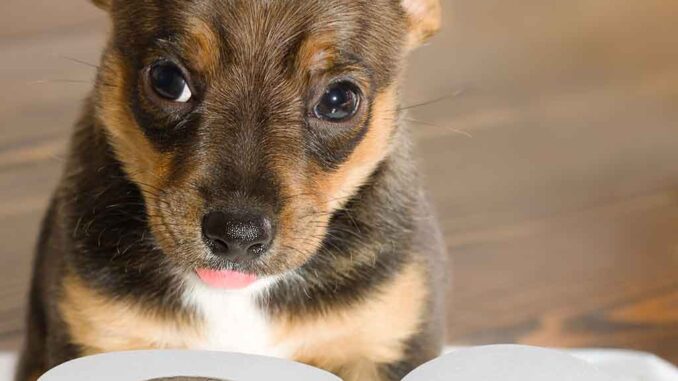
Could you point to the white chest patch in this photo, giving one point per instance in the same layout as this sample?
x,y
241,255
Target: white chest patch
x,y
231,319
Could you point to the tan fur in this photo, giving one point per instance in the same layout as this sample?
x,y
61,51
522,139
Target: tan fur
x,y
298,247
203,45
316,53
101,323
353,340
142,162
425,18
339,185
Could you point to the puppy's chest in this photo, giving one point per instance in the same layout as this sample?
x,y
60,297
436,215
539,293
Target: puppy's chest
x,y
369,332
233,322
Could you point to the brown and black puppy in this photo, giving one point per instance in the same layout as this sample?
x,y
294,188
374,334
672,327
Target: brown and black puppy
x,y
241,180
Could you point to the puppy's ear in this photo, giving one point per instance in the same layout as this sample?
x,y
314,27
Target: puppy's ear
x,y
424,19
103,4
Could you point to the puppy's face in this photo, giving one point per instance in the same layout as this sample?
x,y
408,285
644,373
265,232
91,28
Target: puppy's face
x,y
246,123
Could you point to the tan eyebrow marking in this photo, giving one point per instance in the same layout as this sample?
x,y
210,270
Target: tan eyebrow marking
x,y
317,53
202,45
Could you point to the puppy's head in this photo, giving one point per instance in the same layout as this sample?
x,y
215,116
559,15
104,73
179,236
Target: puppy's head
x,y
246,123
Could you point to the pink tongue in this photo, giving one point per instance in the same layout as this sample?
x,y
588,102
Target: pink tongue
x,y
226,279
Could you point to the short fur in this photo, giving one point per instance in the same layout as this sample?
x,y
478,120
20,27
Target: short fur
x,y
352,281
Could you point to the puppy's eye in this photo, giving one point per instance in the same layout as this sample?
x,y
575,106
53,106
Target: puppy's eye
x,y
168,81
339,102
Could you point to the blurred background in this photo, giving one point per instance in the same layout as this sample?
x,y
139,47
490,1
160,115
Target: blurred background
x,y
552,160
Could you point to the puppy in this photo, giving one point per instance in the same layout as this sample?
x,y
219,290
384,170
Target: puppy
x,y
241,180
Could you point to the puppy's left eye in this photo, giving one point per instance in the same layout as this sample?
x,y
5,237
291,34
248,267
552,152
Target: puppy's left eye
x,y
339,102
168,81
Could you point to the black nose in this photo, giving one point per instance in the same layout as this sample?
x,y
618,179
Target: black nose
x,y
236,235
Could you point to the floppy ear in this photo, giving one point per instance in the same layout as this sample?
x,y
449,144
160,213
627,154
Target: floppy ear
x,y
424,18
103,4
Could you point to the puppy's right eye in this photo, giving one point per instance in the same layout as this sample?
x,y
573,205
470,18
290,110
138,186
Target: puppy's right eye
x,y
168,81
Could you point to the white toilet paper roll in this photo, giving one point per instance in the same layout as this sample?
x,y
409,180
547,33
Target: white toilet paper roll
x,y
149,365
507,363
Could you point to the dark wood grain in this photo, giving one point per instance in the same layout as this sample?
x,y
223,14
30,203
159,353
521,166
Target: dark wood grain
x,y
552,161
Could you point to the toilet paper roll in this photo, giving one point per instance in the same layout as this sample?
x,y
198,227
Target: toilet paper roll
x,y
507,363
183,366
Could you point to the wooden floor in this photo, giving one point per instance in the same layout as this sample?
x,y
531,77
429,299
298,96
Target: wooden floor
x,y
553,161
